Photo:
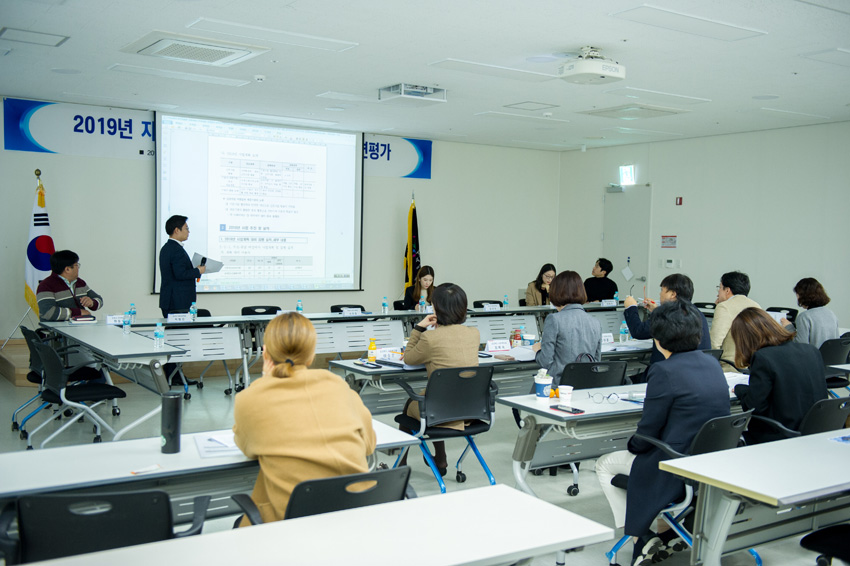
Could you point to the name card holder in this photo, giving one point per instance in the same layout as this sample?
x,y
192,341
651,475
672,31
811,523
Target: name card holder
x,y
492,307
609,303
607,338
179,317
116,319
498,346
351,311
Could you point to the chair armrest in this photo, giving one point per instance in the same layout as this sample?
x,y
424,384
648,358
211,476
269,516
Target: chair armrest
x,y
410,393
200,505
8,545
776,426
661,445
732,363
494,391
248,507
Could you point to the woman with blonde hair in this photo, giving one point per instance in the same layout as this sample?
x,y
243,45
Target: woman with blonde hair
x,y
300,423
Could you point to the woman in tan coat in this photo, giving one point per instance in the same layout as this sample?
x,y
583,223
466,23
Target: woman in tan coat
x,y
300,423
537,293
448,345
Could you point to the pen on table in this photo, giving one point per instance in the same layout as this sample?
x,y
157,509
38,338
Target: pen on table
x,y
636,402
217,441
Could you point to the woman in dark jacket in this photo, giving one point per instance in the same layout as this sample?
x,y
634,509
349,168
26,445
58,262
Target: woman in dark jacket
x,y
786,377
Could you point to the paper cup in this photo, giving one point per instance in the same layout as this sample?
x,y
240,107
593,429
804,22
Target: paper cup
x,y
565,394
542,388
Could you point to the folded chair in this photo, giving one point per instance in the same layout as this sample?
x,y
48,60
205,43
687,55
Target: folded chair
x,y
325,495
56,526
56,391
455,394
720,433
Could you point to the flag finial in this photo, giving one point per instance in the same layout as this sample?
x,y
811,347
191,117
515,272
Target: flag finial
x,y
40,189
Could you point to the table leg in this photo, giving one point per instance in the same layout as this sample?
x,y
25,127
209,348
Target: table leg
x,y
715,511
526,444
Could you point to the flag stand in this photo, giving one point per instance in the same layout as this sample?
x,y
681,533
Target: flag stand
x,y
14,329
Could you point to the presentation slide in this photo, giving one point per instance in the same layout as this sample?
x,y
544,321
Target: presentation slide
x,y
279,207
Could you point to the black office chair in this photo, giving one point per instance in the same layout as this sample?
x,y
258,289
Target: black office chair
x,y
480,304
35,375
253,340
706,307
82,398
398,305
523,303
56,526
835,352
587,375
789,313
830,542
338,308
454,394
824,416
719,433
325,495
714,354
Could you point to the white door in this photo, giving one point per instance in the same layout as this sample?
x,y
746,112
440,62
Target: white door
x,y
625,237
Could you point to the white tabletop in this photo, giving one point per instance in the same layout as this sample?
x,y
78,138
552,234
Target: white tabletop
x,y
580,400
504,525
87,465
783,472
110,341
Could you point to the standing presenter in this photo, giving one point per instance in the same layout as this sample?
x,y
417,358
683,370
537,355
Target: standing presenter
x,y
177,289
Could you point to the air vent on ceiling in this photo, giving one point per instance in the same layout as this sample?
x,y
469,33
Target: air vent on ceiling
x,y
196,50
634,112
411,95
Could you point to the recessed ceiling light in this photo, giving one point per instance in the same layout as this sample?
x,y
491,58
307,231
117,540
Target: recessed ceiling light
x,y
766,97
34,37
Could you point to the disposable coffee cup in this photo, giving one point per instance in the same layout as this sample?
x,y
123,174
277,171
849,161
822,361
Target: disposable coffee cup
x,y
565,394
542,388
528,339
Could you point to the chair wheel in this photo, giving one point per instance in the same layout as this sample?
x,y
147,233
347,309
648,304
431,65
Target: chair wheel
x,y
553,471
29,447
824,560
97,439
24,435
228,391
187,396
14,426
68,412
572,490
200,385
460,477
116,411
537,472
239,388
81,419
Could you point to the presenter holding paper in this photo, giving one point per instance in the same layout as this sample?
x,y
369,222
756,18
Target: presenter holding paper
x,y
177,290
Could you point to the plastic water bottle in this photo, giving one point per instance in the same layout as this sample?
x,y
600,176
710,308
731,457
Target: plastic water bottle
x,y
132,313
159,336
299,307
128,320
505,302
385,306
624,332
193,311
617,296
422,304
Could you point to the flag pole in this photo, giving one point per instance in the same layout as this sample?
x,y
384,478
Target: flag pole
x,y
16,328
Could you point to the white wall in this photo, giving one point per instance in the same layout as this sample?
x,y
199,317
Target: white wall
x,y
773,204
475,225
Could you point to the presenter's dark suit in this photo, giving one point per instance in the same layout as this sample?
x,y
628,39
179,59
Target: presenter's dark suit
x,y
639,329
177,290
683,393
785,381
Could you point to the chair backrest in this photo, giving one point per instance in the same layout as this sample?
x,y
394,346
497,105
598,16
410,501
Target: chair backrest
x,y
458,394
720,433
706,306
31,338
204,313
338,308
523,303
826,415
325,495
714,353
259,309
835,351
480,304
587,375
54,526
789,313
398,305
55,378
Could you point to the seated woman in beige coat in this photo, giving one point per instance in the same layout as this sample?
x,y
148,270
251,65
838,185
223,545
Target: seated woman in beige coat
x,y
537,293
449,345
300,423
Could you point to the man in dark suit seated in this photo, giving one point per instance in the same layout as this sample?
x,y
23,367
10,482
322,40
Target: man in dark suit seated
x,y
177,276
684,391
675,286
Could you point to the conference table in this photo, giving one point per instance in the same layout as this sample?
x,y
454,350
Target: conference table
x,y
207,464
760,493
506,527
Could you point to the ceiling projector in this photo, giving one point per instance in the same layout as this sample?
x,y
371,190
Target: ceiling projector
x,y
590,68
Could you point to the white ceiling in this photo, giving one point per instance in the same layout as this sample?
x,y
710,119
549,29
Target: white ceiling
x,y
771,64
